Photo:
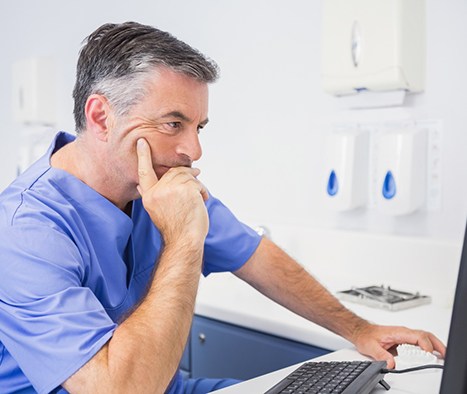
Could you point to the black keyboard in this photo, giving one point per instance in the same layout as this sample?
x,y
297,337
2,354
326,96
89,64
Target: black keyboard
x,y
346,377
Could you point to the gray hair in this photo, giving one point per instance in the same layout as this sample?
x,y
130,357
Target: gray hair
x,y
116,59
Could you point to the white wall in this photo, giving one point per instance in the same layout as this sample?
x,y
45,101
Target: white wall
x,y
269,117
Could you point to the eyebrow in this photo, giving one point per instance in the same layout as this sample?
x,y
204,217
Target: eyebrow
x,y
181,116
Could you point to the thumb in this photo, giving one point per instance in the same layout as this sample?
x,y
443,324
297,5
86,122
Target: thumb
x,y
377,352
146,174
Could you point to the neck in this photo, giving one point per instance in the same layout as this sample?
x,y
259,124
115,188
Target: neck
x,y
87,162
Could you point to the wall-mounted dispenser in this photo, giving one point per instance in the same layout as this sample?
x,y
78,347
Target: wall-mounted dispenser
x,y
401,171
346,169
374,45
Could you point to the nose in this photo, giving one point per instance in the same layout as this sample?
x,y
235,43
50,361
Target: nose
x,y
190,146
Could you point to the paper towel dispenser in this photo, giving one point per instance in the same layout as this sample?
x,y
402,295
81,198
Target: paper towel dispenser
x,y
375,45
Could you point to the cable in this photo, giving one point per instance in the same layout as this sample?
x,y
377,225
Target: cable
x,y
439,366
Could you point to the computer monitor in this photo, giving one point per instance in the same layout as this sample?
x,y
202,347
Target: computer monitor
x,y
454,380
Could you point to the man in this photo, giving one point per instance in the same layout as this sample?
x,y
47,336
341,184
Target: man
x,y
104,238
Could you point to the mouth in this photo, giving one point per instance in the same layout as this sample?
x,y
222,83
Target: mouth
x,y
160,169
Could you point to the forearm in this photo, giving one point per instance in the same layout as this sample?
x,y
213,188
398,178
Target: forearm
x,y
279,277
145,350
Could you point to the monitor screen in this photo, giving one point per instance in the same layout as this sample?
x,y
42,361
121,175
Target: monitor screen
x,y
454,379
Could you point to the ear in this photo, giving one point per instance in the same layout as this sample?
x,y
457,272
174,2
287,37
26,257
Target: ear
x,y
98,116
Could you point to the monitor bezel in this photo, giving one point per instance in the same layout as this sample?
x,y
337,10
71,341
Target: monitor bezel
x,y
454,379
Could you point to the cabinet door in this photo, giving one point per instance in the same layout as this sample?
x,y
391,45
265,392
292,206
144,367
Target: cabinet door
x,y
221,350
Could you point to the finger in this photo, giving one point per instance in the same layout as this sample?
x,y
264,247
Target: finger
x,y
198,185
430,342
202,189
146,174
376,351
181,172
426,340
390,362
438,345
189,174
205,194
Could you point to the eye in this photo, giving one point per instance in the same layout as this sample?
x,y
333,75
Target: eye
x,y
174,125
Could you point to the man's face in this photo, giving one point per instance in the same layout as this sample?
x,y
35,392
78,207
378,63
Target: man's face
x,y
169,117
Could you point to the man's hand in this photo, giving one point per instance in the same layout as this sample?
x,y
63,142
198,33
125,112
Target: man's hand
x,y
175,202
375,341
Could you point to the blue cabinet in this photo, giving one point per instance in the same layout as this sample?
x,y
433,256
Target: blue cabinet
x,y
220,350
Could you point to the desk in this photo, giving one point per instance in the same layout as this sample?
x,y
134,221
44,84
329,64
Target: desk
x,y
420,382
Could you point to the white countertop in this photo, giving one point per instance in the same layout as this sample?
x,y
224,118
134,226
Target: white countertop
x,y
225,297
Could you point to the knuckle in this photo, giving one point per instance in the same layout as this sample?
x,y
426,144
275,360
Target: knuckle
x,y
142,172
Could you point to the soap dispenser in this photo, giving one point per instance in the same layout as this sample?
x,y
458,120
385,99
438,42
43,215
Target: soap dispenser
x,y
401,171
346,169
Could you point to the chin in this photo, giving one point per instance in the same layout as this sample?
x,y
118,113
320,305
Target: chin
x,y
160,171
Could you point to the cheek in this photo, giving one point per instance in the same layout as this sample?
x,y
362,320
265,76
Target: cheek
x,y
162,151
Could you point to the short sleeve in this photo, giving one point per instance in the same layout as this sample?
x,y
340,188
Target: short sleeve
x,y
50,324
229,243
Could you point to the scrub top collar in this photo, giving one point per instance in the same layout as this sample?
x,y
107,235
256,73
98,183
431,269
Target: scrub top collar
x,y
116,221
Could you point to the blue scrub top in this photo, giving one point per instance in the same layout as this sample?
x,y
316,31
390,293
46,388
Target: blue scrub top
x,y
72,265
